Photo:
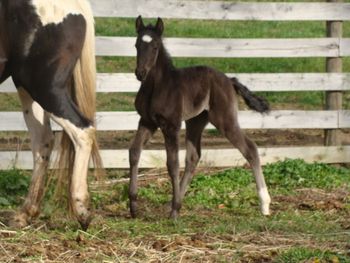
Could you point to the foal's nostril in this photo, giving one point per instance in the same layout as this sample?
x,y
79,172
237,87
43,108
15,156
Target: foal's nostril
x,y
140,74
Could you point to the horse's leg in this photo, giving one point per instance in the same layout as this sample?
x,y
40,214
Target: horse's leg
x,y
81,132
171,137
143,134
228,125
194,129
38,124
79,195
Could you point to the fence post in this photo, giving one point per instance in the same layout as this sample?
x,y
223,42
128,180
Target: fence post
x,y
333,98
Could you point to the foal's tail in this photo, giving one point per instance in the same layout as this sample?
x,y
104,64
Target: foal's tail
x,y
253,101
83,94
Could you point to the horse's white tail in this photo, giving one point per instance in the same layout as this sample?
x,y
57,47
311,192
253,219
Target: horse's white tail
x,y
83,93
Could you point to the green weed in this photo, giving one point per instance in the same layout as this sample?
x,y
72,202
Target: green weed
x,y
297,173
13,185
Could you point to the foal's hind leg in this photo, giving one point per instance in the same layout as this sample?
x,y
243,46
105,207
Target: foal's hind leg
x,y
171,138
228,125
41,135
143,134
194,129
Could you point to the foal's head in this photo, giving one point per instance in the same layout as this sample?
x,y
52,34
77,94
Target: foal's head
x,y
148,44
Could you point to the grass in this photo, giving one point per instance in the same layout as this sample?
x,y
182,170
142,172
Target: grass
x,y
219,222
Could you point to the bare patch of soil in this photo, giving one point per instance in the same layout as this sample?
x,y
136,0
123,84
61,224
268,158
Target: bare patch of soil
x,y
122,139
315,199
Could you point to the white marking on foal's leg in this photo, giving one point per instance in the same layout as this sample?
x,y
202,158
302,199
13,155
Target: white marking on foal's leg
x,y
263,193
147,38
265,201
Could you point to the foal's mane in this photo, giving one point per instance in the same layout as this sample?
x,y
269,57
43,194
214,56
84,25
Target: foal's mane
x,y
164,59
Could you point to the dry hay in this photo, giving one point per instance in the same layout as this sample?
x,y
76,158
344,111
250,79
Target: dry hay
x,y
26,246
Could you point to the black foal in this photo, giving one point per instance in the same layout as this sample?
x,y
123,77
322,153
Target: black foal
x,y
197,95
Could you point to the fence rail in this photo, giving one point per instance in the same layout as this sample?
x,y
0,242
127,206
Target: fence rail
x,y
330,47
271,82
222,10
210,157
279,119
231,48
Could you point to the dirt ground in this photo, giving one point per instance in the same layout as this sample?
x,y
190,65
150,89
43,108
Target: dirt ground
x,y
41,242
122,140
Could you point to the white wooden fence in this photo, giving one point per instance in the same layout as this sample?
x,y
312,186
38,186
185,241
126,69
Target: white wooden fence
x,y
332,47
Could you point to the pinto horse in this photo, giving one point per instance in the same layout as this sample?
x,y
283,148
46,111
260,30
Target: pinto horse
x,y
197,95
47,47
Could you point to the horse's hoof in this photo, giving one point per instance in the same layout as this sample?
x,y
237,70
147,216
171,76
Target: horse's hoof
x,y
84,223
20,220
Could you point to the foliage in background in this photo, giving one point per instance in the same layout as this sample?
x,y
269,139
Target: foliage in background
x,y
13,187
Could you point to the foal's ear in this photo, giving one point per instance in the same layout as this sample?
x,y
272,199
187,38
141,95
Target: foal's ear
x,y
139,24
160,26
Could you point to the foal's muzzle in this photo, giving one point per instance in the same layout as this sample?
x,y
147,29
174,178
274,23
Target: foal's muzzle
x,y
140,74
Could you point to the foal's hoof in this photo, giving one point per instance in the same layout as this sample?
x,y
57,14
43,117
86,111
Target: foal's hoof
x,y
174,214
133,210
133,214
265,209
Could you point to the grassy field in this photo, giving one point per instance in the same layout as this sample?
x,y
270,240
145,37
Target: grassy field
x,y
220,221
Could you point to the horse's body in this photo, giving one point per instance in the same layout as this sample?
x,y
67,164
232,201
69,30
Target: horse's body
x,y
47,47
198,95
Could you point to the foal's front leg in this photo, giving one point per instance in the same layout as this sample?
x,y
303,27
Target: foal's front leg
x,y
171,137
143,134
